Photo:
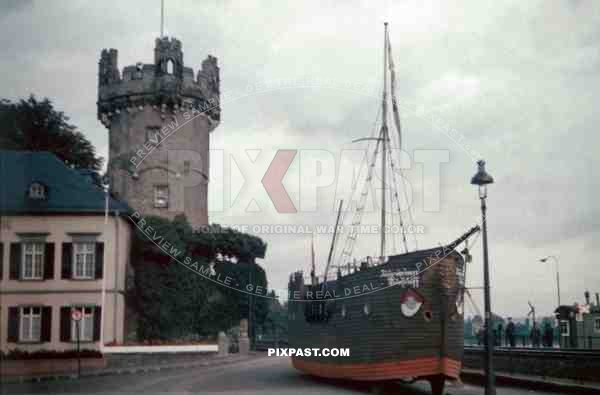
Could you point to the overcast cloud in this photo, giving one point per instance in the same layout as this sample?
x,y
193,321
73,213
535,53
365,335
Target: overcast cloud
x,y
515,79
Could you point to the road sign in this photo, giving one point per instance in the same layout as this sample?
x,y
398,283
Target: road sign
x,y
76,315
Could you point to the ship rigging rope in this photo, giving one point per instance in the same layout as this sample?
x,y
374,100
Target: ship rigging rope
x,y
398,125
338,255
393,91
473,304
351,237
394,193
357,217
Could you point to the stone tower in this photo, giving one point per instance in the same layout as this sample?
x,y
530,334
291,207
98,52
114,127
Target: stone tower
x,y
159,117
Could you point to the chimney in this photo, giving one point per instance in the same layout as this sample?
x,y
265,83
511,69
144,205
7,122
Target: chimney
x,y
587,297
597,299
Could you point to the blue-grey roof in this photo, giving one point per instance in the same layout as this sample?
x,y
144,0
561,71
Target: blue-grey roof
x,y
68,191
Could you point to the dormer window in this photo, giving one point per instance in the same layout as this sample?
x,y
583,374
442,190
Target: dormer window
x,y
37,191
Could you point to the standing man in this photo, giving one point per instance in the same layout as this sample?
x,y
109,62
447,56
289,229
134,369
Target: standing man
x,y
548,335
499,335
479,336
510,332
535,336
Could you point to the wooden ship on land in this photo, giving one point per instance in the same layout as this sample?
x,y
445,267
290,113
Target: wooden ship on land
x,y
400,315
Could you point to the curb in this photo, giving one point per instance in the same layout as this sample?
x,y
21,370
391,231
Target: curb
x,y
123,371
478,377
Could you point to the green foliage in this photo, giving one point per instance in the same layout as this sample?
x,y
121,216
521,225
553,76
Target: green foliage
x,y
276,321
173,302
35,125
229,243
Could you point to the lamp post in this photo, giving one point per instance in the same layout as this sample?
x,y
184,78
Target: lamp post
x,y
555,259
482,179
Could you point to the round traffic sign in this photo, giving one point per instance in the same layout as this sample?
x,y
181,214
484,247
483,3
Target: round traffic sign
x,y
76,315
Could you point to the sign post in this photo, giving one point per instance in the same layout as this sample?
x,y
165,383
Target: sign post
x,y
76,316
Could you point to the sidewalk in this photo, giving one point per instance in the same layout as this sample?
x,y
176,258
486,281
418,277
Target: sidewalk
x,y
562,386
208,362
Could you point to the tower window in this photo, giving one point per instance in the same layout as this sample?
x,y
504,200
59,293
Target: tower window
x,y
169,66
153,135
161,196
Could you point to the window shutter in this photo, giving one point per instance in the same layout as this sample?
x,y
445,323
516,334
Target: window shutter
x,y
13,324
15,261
97,322
65,324
1,260
99,260
46,324
49,261
67,260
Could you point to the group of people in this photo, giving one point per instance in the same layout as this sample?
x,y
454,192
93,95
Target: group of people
x,y
545,339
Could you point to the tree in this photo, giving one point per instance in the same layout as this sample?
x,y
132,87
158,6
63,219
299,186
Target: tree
x,y
173,303
34,125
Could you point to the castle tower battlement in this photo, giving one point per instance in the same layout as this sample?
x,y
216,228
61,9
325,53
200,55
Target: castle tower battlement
x,y
159,117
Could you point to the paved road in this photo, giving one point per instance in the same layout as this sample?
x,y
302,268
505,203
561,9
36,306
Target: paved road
x,y
264,376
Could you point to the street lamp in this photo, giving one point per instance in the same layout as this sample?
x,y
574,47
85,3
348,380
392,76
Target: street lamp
x,y
555,259
482,179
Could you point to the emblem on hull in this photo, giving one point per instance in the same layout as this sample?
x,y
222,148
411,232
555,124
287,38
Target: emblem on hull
x,y
410,303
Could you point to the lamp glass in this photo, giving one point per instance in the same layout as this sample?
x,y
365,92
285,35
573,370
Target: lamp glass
x,y
482,191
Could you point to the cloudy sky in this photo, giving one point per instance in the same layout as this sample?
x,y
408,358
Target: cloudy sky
x,y
514,79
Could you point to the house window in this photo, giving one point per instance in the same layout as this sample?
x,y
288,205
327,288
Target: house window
x,y
37,191
597,324
564,328
31,324
161,196
32,263
84,260
86,324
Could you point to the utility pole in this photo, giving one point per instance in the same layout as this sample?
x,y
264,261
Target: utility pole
x,y
555,260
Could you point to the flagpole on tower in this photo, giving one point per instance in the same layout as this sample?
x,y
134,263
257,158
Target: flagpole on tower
x,y
162,18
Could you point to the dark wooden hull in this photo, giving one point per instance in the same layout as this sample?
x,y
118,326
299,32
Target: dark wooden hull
x,y
385,343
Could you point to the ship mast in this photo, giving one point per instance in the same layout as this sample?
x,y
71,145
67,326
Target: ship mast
x,y
332,247
384,137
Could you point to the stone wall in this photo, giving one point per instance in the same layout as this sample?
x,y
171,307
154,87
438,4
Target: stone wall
x,y
141,359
